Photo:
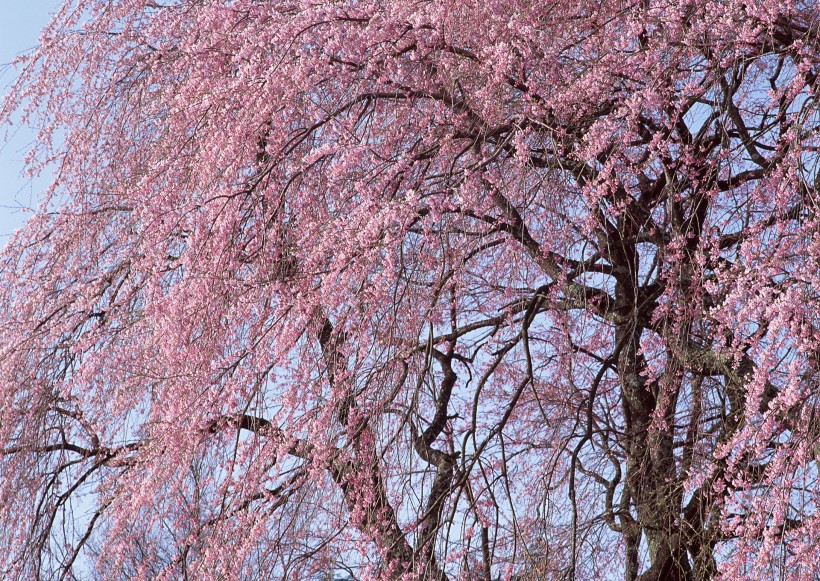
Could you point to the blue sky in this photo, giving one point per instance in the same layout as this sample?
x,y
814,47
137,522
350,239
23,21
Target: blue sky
x,y
20,26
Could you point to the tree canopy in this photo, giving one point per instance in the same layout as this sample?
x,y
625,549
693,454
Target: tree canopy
x,y
416,290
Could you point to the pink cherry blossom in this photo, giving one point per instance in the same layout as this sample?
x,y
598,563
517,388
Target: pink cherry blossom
x,y
416,290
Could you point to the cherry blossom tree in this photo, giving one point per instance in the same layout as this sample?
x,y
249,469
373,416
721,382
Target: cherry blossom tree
x,y
416,290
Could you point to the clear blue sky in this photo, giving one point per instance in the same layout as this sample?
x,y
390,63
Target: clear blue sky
x,y
20,26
